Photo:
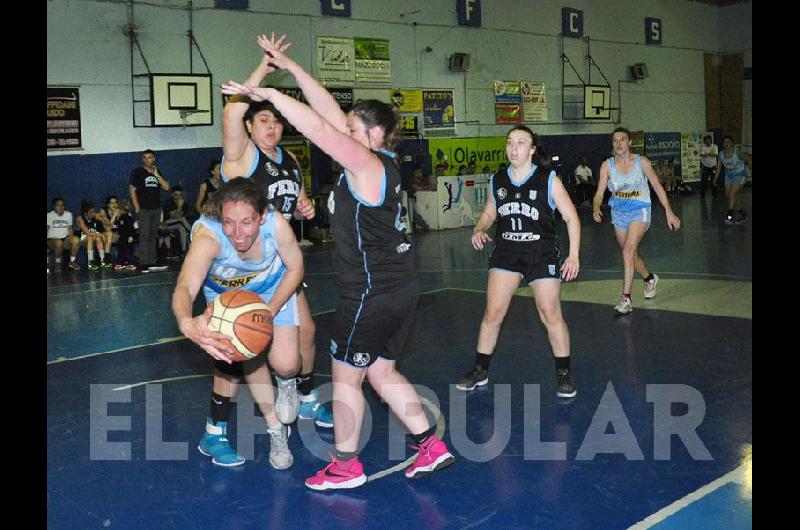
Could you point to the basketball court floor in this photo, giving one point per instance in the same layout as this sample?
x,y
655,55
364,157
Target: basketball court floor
x,y
659,434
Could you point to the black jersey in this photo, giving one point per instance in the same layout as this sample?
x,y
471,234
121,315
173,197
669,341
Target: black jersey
x,y
525,212
280,178
371,244
94,225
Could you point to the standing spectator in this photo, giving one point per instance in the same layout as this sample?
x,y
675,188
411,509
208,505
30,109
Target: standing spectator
x,y
146,199
709,155
584,182
59,234
176,214
209,186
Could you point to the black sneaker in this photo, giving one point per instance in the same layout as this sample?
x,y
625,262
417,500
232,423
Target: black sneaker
x,y
565,383
741,216
473,378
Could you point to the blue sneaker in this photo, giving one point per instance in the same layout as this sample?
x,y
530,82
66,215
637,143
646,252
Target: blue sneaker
x,y
312,409
216,445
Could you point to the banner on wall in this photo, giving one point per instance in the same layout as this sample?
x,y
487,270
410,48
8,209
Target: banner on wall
x,y
335,60
302,153
664,146
406,100
534,101
507,113
507,92
454,152
438,113
409,126
690,155
461,199
372,61
63,117
343,96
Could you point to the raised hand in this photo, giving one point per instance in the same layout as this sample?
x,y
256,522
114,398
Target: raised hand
x,y
273,50
254,93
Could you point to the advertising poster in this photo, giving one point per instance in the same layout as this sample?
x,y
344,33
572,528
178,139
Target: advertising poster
x,y
335,60
507,113
534,101
489,151
63,117
406,100
372,61
664,146
438,113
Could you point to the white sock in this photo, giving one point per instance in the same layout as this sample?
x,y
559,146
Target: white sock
x,y
71,259
58,260
90,255
102,254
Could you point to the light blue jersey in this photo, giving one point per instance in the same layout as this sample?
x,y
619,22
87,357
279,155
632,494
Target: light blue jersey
x,y
230,271
734,166
629,191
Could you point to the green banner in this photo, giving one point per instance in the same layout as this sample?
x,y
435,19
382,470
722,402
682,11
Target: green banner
x,y
454,152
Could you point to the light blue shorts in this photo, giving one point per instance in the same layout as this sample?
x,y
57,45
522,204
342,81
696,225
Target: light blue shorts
x,y
735,179
287,315
624,218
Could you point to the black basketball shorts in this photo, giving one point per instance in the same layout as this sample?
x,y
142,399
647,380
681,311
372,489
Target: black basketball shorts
x,y
368,325
531,266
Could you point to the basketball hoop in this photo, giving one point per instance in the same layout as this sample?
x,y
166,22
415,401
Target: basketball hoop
x,y
186,113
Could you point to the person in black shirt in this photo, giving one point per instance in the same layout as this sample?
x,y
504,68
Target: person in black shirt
x,y
127,236
144,187
378,281
523,200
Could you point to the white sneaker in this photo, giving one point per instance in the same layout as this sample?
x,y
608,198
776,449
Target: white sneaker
x,y
280,457
650,287
624,306
287,404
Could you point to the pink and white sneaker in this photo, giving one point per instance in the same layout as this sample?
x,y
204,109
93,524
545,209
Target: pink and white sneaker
x,y
433,456
338,476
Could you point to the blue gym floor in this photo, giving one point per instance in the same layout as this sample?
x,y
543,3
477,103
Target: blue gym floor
x,y
112,336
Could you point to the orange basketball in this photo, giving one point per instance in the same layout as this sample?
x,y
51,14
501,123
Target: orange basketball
x,y
244,316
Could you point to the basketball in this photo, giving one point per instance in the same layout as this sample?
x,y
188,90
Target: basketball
x,y
244,316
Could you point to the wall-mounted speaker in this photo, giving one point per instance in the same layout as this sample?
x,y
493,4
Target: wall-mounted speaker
x,y
459,62
639,71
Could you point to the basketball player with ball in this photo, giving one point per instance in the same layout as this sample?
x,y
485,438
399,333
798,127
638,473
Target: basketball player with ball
x,y
246,248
